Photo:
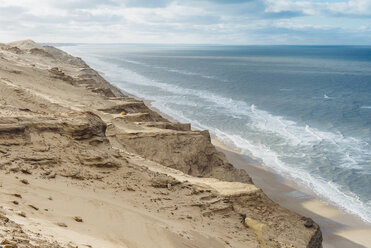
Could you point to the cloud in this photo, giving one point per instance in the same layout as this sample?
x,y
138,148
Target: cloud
x,y
83,4
191,21
351,8
147,4
230,1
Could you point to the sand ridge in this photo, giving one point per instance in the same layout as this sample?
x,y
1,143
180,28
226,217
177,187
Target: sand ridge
x,y
73,147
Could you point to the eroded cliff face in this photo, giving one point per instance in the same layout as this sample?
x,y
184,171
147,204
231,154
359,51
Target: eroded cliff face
x,y
63,126
188,151
52,143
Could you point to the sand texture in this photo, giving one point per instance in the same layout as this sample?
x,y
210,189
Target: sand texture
x,y
84,165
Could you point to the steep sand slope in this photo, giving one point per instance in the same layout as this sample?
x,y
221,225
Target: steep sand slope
x,y
81,164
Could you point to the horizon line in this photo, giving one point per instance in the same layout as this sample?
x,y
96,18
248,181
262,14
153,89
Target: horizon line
x,y
193,44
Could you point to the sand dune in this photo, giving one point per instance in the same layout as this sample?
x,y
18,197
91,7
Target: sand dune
x,y
84,165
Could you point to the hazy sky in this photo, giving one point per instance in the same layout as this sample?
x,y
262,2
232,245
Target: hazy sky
x,y
188,21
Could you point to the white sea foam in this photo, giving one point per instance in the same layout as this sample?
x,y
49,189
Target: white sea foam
x,y
135,62
184,72
189,73
325,96
252,108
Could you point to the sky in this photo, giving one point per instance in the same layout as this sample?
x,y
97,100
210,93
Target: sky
x,y
234,22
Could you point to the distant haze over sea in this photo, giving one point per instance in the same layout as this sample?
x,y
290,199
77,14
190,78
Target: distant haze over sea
x,y
305,111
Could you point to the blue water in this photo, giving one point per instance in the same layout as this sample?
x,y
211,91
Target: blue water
x,y
305,112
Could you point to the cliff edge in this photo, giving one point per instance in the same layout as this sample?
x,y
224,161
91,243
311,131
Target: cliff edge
x,y
84,165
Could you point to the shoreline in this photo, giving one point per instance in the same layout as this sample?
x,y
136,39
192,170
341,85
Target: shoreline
x,y
339,228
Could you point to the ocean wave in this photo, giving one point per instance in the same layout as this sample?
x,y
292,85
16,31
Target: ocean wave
x,y
184,72
307,138
179,71
365,107
134,62
325,96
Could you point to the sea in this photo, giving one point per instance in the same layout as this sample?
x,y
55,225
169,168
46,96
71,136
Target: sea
x,y
303,111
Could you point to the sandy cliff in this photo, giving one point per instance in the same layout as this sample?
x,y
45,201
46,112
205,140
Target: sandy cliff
x,y
82,164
